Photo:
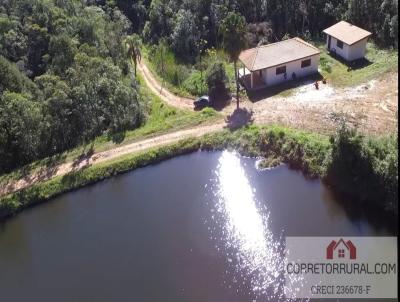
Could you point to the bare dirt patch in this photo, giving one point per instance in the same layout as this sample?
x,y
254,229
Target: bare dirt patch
x,y
371,107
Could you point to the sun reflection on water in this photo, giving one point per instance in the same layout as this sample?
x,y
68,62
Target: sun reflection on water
x,y
249,244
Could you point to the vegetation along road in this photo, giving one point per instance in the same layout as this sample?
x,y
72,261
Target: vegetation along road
x,y
305,108
162,92
65,168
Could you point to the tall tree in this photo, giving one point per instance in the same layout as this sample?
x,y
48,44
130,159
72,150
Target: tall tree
x,y
162,49
233,30
186,36
133,44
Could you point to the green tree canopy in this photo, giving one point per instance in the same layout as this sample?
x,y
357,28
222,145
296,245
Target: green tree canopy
x,y
217,80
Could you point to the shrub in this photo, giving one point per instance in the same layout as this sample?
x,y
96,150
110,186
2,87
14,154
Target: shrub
x,y
165,64
217,80
365,170
325,65
195,84
208,112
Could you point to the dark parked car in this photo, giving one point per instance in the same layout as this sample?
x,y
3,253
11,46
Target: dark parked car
x,y
202,102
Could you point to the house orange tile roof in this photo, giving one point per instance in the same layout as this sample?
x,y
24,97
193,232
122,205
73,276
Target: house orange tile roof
x,y
277,54
347,32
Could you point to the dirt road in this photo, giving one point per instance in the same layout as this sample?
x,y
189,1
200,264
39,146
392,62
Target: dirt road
x,y
62,169
162,92
372,107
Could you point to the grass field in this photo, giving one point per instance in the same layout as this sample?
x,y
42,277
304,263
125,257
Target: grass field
x,y
378,62
339,74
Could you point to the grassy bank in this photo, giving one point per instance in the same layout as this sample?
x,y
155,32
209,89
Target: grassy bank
x,y
362,169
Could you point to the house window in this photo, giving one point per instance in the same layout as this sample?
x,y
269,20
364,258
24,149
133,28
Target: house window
x,y
305,63
339,44
341,253
281,70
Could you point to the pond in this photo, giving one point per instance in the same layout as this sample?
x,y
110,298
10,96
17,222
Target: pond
x,y
193,228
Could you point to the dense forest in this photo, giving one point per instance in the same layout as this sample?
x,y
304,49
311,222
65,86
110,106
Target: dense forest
x,y
184,23
64,73
64,77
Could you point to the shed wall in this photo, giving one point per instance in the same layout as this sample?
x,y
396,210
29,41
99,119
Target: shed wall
x,y
344,53
349,52
357,50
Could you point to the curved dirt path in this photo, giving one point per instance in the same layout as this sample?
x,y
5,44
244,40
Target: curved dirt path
x,y
65,168
62,169
163,92
373,110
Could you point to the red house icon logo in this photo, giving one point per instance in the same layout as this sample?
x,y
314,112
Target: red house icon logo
x,y
341,250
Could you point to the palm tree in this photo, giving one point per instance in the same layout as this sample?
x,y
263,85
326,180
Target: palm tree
x,y
233,30
133,45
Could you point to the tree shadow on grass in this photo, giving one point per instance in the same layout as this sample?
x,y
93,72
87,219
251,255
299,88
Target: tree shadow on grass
x,y
51,166
221,100
84,158
239,118
47,168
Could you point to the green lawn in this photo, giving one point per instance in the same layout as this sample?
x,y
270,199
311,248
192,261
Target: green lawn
x,y
338,74
185,79
161,118
379,61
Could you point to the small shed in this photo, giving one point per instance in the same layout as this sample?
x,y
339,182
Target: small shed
x,y
279,62
347,41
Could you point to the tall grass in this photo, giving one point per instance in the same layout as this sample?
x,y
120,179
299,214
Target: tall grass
x,y
182,78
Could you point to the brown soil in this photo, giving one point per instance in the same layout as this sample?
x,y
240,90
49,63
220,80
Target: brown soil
x,y
162,92
65,168
371,107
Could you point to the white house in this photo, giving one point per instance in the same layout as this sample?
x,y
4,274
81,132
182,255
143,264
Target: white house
x,y
347,40
279,62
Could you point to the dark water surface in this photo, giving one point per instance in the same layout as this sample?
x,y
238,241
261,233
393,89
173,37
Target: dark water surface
x,y
188,229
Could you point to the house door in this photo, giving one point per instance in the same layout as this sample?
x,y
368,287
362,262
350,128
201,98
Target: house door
x,y
329,42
